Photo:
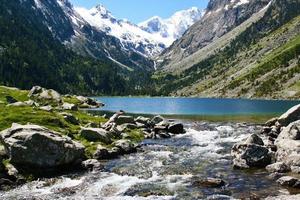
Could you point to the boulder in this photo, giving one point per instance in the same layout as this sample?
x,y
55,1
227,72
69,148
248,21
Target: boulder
x,y
271,122
125,120
69,106
288,143
70,118
35,90
43,94
250,154
157,119
32,145
279,167
289,181
209,182
96,134
92,164
254,139
86,102
176,128
290,116
101,153
123,127
126,146
142,120
32,103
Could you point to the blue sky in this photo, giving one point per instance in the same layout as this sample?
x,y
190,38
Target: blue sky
x,y
140,10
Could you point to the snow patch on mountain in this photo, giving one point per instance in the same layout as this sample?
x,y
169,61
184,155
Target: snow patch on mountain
x,y
172,28
148,40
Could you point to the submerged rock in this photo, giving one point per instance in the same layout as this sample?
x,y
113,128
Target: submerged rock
x,y
209,182
32,145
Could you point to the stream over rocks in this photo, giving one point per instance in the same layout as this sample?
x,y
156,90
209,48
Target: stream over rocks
x,y
165,169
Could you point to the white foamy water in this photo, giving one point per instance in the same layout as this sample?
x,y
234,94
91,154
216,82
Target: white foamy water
x,y
164,170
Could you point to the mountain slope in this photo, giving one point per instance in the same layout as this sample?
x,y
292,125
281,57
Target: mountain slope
x,y
73,31
141,38
221,17
30,55
260,61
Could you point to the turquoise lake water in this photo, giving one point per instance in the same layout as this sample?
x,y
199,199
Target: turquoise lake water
x,y
194,106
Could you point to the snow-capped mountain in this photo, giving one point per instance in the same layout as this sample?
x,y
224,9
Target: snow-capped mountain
x,y
148,38
174,27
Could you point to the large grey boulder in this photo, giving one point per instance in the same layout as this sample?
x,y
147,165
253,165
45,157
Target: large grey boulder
x,y
288,143
125,146
157,119
293,114
40,93
250,154
279,167
96,134
142,120
289,181
32,145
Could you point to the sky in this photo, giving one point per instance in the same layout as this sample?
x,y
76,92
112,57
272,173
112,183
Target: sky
x,y
140,10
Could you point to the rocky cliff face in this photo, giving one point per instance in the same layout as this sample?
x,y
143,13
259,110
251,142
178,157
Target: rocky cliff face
x,y
257,59
221,16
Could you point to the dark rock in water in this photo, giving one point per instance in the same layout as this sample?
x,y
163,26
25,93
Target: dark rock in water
x,y
125,120
163,134
96,134
254,139
176,128
209,182
10,100
279,167
36,146
290,116
92,164
125,146
250,155
289,181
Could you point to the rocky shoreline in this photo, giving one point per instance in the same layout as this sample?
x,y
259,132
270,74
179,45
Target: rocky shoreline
x,y
277,149
32,151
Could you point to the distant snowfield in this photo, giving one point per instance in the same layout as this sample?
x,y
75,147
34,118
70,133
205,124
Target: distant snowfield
x,y
150,37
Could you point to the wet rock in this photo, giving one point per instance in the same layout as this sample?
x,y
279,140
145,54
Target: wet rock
x,y
209,182
92,164
32,145
125,120
176,128
289,181
70,118
250,154
96,134
10,99
279,167
254,139
126,146
290,116
271,122
69,106
142,120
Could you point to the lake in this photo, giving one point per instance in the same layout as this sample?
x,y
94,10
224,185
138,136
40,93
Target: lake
x,y
195,106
